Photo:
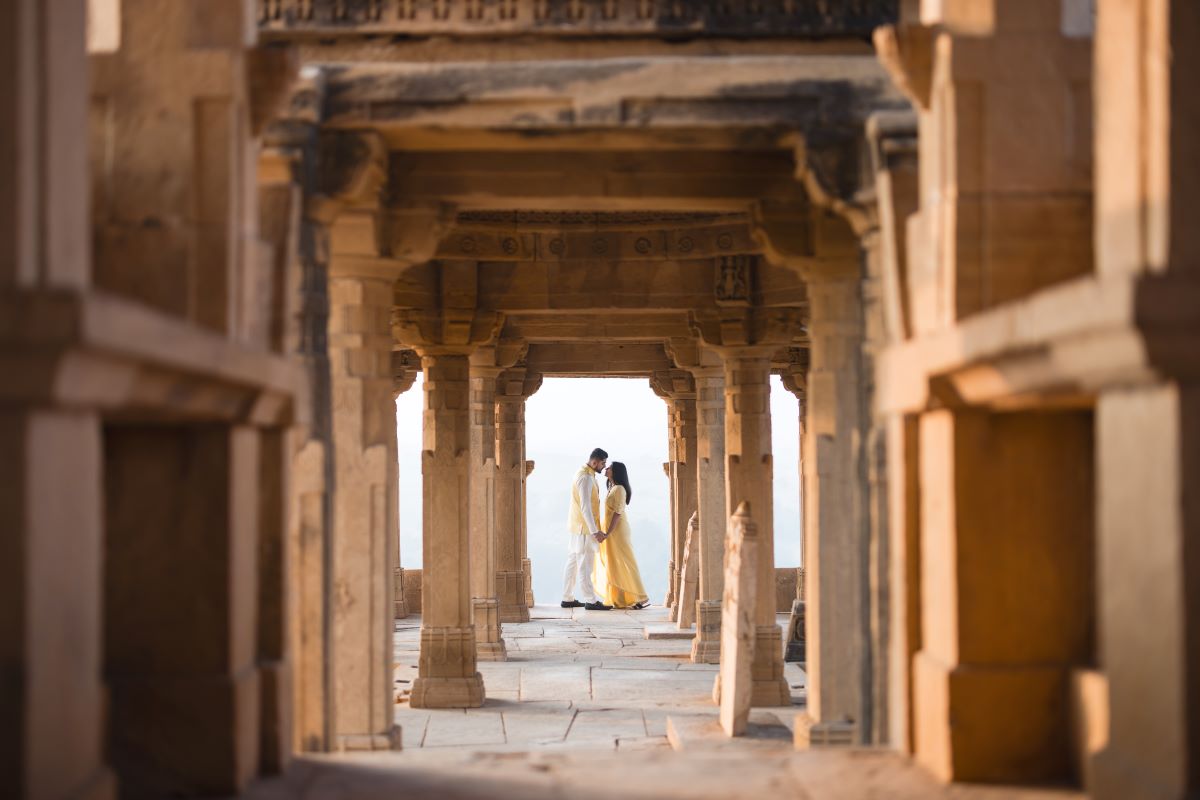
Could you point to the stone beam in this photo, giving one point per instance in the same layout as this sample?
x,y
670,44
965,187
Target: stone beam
x,y
634,359
827,95
611,327
651,241
602,284
726,181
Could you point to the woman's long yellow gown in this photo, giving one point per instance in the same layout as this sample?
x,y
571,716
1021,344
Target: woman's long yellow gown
x,y
616,573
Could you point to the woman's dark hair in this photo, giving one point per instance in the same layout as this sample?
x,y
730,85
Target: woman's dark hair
x,y
621,478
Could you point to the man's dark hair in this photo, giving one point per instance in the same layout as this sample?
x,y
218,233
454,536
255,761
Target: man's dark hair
x,y
598,453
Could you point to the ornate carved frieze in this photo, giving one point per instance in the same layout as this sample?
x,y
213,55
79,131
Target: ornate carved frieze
x,y
804,19
578,242
553,220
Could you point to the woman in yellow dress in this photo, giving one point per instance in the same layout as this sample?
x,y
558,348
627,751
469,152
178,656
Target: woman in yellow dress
x,y
616,568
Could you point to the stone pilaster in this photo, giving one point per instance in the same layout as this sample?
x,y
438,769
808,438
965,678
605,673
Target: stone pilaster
x,y
365,501
526,564
748,477
512,580
710,501
683,481
489,645
447,675
835,525
676,388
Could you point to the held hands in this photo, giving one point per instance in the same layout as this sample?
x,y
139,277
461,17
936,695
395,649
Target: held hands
x,y
599,536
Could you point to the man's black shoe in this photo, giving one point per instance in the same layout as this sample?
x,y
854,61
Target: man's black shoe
x,y
571,604
597,606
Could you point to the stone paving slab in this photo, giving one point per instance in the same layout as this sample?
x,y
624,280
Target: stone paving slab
x,y
609,724
667,630
450,729
556,683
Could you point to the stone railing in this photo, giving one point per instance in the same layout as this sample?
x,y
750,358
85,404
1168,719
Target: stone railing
x,y
809,19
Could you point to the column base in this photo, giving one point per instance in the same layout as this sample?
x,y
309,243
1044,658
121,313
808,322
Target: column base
x,y
446,674
706,646
994,724
527,568
447,692
510,591
770,687
489,645
810,733
367,742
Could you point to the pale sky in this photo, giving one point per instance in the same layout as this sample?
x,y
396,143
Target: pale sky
x,y
564,421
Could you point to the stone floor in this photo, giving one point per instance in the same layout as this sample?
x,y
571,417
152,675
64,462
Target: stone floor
x,y
582,680
582,710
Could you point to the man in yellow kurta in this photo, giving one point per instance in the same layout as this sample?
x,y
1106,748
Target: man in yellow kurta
x,y
583,529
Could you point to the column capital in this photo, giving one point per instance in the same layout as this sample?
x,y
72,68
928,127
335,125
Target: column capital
x,y
405,366
743,328
518,384
675,384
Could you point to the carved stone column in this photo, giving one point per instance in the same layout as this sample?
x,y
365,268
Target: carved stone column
x,y
748,477
512,581
710,501
835,534
678,390
365,501
489,645
447,676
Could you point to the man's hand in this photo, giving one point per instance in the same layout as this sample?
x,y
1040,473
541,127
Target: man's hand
x,y
599,537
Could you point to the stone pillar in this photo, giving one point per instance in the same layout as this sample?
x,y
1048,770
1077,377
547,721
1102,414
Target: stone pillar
x,y
489,645
526,564
447,677
512,582
1148,558
52,699
710,501
739,631
274,645
1148,431
52,710
835,516
748,477
683,481
689,576
1007,589
365,501
166,681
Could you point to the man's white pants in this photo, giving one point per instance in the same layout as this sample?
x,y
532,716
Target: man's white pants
x,y
581,556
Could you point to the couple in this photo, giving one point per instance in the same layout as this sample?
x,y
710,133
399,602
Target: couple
x,y
612,579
